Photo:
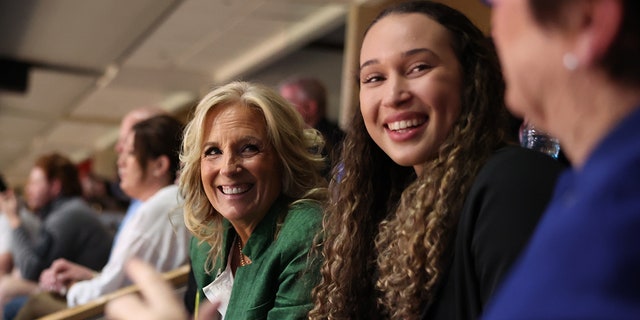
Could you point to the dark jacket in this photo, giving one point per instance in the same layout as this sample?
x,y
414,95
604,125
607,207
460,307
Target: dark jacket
x,y
71,230
504,204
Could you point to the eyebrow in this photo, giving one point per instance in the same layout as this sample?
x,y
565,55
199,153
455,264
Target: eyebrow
x,y
404,55
243,139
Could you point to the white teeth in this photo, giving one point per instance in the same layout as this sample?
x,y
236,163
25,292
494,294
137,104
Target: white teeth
x,y
234,190
403,124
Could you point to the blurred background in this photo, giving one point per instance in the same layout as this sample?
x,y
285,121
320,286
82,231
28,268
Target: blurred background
x,y
70,69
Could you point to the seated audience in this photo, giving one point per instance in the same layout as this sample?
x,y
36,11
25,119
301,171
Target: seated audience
x,y
70,228
253,200
156,233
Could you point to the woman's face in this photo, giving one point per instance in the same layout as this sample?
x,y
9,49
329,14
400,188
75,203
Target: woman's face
x,y
410,86
531,60
240,169
132,176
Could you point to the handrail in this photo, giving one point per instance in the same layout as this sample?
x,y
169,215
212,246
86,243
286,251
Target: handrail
x,y
93,308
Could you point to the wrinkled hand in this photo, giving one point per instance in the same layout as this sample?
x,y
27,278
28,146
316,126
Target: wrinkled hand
x,y
157,300
48,282
62,274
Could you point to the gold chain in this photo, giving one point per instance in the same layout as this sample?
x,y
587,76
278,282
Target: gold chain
x,y
242,261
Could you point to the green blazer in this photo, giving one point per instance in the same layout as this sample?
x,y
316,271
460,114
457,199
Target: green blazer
x,y
278,282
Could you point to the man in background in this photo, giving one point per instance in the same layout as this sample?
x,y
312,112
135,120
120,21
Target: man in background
x,y
70,228
309,96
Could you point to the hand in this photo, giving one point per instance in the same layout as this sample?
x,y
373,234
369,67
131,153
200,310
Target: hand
x,y
48,282
157,302
62,274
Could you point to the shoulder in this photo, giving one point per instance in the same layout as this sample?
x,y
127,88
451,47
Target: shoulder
x,y
198,251
166,195
303,221
73,209
305,213
513,163
166,201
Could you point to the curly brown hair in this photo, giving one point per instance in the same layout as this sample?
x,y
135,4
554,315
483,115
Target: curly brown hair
x,y
387,233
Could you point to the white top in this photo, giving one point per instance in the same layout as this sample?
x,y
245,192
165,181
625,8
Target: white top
x,y
155,233
29,221
220,289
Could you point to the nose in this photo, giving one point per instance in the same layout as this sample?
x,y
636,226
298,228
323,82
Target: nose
x,y
397,93
231,165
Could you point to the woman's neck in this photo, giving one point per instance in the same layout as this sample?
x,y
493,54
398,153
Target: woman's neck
x,y
597,111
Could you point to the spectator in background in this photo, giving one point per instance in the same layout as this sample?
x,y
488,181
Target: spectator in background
x,y
148,166
97,192
309,96
572,69
128,121
31,224
70,228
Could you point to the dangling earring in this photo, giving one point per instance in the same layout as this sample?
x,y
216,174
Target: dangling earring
x,y
570,61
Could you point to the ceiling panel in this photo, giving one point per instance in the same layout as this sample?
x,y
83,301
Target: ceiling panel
x,y
77,33
93,61
73,134
112,103
49,94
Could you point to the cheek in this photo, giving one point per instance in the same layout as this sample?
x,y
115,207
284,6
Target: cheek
x,y
446,100
269,174
206,174
368,109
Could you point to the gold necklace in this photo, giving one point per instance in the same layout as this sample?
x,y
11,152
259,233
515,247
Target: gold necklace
x,y
242,261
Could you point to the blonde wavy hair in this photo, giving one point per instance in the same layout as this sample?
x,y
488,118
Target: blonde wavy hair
x,y
297,148
387,232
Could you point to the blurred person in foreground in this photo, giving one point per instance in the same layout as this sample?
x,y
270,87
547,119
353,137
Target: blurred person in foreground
x,y
148,166
70,228
253,200
572,69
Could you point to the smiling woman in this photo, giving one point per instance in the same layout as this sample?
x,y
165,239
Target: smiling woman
x,y
435,200
254,196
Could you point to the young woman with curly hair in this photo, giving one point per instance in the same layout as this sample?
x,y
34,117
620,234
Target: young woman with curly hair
x,y
434,202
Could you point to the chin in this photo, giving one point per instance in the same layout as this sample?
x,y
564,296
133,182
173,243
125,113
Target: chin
x,y
406,161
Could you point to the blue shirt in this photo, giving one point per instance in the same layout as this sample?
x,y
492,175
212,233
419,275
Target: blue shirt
x,y
131,210
583,261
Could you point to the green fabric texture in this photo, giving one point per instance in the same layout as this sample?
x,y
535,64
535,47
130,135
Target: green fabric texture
x,y
278,282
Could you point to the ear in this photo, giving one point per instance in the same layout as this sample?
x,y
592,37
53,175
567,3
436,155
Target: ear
x,y
313,108
160,166
56,188
601,23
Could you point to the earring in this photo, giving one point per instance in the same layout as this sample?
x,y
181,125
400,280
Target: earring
x,y
570,61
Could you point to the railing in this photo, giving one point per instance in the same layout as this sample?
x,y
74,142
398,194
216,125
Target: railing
x,y
177,278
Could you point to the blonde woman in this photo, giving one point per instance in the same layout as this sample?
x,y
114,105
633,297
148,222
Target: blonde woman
x,y
253,200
